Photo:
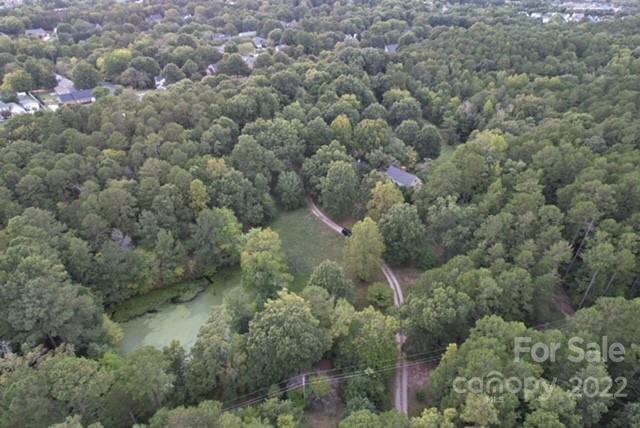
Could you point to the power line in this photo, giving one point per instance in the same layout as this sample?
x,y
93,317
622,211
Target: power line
x,y
341,369
323,377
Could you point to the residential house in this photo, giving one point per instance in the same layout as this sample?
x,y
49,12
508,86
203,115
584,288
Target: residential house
x,y
220,37
64,85
212,69
5,110
250,60
37,33
160,83
122,240
259,42
79,97
5,348
154,19
282,47
403,178
248,34
28,102
12,3
16,109
392,48
351,37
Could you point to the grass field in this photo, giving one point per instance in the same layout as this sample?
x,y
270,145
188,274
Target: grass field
x,y
306,243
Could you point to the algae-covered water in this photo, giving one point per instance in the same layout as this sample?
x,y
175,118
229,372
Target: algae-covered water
x,y
175,321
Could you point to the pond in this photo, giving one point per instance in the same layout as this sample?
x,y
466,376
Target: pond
x,y
176,321
306,243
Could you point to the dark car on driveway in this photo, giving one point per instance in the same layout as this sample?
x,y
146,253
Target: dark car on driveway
x,y
346,232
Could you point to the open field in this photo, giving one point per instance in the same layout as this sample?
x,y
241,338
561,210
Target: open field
x,y
306,243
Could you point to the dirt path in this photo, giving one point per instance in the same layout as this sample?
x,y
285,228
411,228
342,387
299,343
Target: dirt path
x,y
402,374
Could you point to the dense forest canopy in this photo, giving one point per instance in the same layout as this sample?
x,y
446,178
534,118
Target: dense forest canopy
x,y
524,135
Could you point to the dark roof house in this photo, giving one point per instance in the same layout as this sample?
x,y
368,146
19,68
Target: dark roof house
x,y
403,178
78,97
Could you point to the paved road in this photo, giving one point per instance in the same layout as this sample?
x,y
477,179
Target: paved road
x,y
402,374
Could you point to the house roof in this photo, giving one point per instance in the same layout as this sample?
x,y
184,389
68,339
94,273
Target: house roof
x,y
35,32
155,18
248,34
257,40
401,177
77,97
393,48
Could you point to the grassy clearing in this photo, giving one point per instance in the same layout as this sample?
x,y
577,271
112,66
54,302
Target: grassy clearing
x,y
306,243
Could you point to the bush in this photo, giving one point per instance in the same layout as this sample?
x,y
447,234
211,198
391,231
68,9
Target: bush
x,y
380,296
427,258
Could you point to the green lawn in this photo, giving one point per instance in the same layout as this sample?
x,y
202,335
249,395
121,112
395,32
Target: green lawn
x,y
306,243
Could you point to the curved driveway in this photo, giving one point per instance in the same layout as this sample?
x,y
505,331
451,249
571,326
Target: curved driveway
x,y
401,382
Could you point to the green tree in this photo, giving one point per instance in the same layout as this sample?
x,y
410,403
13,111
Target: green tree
x,y
363,252
172,73
290,191
339,189
12,25
428,143
210,371
316,167
370,135
216,238
264,269
115,62
17,81
199,196
342,130
380,296
234,65
370,341
28,279
385,195
330,276
85,76
205,414
171,257
142,385
284,340
403,233
362,419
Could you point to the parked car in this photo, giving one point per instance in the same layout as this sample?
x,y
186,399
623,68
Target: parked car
x,y
346,232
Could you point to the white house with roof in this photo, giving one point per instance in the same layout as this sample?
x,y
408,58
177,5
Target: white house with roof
x,y
38,33
28,102
248,34
403,178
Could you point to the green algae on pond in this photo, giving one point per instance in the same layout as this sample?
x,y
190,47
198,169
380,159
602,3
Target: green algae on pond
x,y
177,321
